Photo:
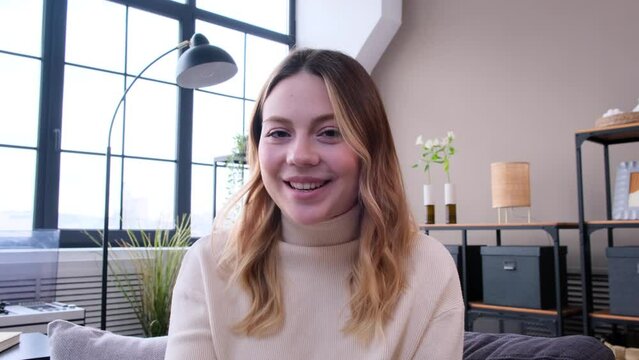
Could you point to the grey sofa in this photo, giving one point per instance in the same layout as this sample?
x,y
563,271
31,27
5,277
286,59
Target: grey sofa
x,y
71,341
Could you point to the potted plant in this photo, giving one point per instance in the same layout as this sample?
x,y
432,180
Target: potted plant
x,y
236,162
436,151
156,259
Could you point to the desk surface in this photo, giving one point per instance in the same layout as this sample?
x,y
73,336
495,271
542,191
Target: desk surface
x,y
32,346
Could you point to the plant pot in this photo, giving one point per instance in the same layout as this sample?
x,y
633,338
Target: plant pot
x,y
429,204
450,199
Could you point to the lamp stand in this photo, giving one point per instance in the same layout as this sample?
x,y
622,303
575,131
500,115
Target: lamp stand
x,y
105,238
199,66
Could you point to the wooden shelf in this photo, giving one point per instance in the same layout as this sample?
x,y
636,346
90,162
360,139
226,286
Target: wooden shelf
x,y
544,312
614,223
606,315
611,134
594,225
495,226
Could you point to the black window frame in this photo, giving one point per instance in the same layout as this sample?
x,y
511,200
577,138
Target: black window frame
x,y
47,180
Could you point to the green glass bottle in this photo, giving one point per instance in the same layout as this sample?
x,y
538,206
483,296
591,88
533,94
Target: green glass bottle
x,y
430,214
451,213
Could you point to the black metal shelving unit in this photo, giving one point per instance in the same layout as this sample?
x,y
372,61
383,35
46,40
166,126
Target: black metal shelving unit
x,y
553,319
612,135
222,162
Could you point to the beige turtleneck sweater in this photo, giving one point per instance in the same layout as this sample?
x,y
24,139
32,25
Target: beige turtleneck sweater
x,y
314,263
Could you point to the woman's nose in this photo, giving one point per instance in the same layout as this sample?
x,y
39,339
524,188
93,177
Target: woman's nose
x,y
302,153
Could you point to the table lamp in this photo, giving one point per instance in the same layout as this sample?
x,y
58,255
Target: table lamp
x,y
510,184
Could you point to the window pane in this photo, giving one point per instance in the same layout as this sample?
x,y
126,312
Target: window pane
x,y
20,91
201,200
95,34
262,56
149,194
150,36
232,42
216,119
248,114
272,14
17,186
151,120
81,203
90,98
229,180
21,26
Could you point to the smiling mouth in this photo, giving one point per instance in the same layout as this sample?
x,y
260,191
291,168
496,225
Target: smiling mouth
x,y
306,186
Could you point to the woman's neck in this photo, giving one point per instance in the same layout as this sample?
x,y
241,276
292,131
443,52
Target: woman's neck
x,y
338,230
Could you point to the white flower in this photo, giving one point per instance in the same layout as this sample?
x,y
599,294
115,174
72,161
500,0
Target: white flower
x,y
450,136
429,144
612,112
419,140
436,142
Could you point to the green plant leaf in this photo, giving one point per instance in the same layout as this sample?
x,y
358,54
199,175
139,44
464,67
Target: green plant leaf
x,y
156,258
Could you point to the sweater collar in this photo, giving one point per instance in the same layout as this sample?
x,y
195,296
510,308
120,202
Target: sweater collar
x,y
338,230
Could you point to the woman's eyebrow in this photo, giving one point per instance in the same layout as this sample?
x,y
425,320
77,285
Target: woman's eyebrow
x,y
323,118
277,119
314,121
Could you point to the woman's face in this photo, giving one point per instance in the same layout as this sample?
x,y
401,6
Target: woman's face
x,y
307,167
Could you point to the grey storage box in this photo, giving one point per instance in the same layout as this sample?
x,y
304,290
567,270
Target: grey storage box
x,y
473,267
623,280
522,276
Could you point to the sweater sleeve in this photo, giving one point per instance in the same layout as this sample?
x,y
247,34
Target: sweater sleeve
x,y
190,334
444,337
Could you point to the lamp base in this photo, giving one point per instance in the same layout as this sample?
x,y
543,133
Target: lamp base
x,y
499,215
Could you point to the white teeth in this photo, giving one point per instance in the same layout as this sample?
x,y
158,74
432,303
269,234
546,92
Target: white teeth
x,y
305,186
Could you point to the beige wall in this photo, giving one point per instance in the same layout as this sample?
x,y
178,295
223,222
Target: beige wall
x,y
514,80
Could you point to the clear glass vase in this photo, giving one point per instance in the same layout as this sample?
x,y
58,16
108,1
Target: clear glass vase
x,y
450,199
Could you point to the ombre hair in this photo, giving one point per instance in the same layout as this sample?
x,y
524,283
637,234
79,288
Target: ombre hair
x,y
387,228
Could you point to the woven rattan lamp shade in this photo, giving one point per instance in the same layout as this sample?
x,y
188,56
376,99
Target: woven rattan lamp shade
x,y
510,183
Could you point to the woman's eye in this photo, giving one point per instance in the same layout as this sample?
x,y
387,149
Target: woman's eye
x,y
331,133
277,134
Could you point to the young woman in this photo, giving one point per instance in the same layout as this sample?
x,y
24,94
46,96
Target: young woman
x,y
325,261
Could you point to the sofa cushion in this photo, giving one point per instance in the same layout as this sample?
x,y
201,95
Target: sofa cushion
x,y
484,346
71,341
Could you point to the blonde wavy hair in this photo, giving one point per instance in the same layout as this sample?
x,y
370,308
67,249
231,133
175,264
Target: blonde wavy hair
x,y
387,229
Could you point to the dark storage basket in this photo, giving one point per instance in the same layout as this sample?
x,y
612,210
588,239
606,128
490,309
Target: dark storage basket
x,y
473,268
623,280
522,276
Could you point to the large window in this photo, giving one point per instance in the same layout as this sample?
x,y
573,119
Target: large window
x,y
54,128
216,110
20,64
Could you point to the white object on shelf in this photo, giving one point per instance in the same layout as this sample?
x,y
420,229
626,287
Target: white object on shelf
x,y
35,317
612,112
450,196
428,194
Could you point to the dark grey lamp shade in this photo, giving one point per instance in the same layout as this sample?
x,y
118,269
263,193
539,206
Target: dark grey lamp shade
x,y
204,64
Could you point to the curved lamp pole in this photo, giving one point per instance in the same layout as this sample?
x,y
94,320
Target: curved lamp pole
x,y
199,66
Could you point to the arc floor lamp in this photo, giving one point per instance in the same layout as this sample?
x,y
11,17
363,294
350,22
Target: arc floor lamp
x,y
201,65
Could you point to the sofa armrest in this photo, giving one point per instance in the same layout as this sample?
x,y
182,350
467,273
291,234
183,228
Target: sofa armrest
x,y
71,341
